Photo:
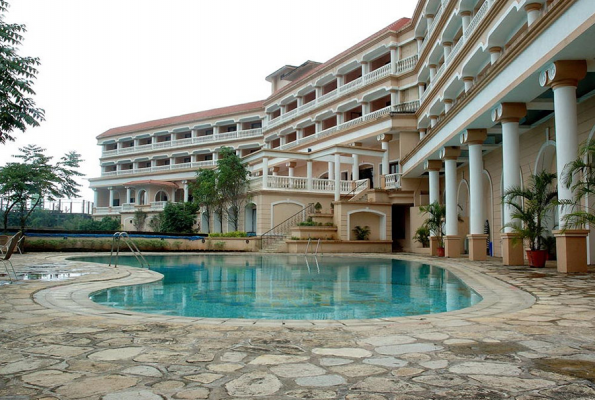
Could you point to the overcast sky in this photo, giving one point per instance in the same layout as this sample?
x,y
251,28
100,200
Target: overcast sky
x,y
110,63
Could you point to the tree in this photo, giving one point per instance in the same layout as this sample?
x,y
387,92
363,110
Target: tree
x,y
140,217
24,185
579,175
232,182
178,217
436,220
17,109
205,194
530,214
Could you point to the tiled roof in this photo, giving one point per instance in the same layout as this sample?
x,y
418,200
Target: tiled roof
x,y
395,26
180,119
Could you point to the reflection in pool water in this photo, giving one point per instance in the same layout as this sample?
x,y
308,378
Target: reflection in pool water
x,y
290,287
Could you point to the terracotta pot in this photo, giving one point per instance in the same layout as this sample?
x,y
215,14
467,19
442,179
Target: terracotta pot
x,y
537,258
440,251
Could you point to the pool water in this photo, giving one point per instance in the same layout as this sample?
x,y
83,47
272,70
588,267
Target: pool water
x,y
289,287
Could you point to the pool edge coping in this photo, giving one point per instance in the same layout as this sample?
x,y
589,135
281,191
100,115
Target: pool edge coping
x,y
499,297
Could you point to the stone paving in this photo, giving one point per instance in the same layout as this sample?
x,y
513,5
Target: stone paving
x,y
56,344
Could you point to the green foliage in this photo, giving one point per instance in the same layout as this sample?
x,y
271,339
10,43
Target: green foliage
x,y
361,233
422,235
16,80
105,224
579,176
317,206
435,221
139,219
156,223
178,218
309,222
25,184
229,234
222,191
530,208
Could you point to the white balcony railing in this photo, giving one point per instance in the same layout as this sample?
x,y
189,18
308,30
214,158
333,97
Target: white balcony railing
x,y
392,181
108,210
384,71
408,107
160,168
301,184
481,13
220,137
158,205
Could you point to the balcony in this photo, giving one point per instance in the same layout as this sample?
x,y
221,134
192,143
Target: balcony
x,y
174,144
160,168
409,107
392,181
382,72
298,184
481,13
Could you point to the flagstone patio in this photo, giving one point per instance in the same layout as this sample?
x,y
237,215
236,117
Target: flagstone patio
x,y
532,337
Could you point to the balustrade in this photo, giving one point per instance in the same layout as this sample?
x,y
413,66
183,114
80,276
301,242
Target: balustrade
x,y
186,142
392,181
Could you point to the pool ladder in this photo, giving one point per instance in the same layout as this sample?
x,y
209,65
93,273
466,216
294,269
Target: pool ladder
x,y
314,254
123,236
308,246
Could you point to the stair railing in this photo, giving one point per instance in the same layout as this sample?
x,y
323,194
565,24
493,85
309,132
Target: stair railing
x,y
354,191
279,231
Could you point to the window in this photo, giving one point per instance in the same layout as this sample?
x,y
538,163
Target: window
x,y
256,125
231,129
186,160
187,135
393,168
209,132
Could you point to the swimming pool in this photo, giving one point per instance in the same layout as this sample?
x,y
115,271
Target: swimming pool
x,y
289,287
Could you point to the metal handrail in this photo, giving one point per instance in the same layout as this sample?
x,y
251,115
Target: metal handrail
x,y
317,246
354,191
131,246
280,230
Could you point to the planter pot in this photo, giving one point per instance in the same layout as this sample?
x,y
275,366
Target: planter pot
x,y
537,258
440,251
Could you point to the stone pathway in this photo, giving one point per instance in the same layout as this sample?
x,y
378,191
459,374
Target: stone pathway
x,y
55,345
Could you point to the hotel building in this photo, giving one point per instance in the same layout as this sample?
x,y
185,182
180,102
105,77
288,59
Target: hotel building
x,y
462,100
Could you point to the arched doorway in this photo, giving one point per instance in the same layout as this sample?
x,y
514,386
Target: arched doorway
x,y
161,196
366,171
250,218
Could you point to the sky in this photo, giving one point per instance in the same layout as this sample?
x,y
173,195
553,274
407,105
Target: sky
x,y
110,63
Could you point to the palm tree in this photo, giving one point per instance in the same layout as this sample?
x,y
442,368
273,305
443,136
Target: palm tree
x,y
583,168
531,206
435,222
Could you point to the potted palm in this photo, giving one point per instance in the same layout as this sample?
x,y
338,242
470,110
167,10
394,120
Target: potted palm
x,y
531,207
436,213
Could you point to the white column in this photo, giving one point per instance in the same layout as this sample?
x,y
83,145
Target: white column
x,y
495,53
331,171
193,133
318,91
290,171
318,126
434,176
466,16
447,105
395,97
432,72
355,167
215,156
511,165
468,82
533,12
111,196
186,194
447,49
365,108
128,194
422,133
430,18
95,197
450,178
309,174
299,133
420,42
300,101
566,139
421,88
340,118
394,57
433,120
340,80
385,158
265,172
337,176
365,68
283,140
476,189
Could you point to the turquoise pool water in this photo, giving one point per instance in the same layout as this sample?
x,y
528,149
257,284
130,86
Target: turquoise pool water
x,y
289,287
